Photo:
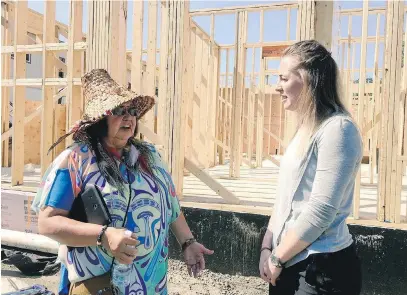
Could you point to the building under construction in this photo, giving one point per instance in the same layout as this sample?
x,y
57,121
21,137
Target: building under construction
x,y
219,122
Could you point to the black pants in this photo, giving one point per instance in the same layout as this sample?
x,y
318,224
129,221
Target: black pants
x,y
337,273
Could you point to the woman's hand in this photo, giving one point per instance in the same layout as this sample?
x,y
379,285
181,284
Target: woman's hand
x,y
264,256
271,272
194,258
121,243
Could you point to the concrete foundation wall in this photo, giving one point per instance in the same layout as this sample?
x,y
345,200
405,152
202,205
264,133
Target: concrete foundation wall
x,y
236,239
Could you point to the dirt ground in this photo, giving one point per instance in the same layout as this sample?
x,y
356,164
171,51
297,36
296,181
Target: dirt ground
x,y
179,282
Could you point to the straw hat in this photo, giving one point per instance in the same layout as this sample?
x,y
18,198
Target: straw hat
x,y
102,94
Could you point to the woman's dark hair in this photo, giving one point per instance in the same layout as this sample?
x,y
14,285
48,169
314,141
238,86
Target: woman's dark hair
x,y
95,134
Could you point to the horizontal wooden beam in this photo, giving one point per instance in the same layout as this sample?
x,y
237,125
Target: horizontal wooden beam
x,y
250,8
257,44
38,82
273,51
40,47
369,39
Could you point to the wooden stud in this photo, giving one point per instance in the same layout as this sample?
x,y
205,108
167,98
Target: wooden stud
x,y
90,40
361,99
197,103
149,118
250,109
203,107
260,101
388,173
322,22
226,123
375,101
212,78
177,79
20,37
190,98
348,82
74,93
239,74
163,62
48,69
7,12
396,170
137,47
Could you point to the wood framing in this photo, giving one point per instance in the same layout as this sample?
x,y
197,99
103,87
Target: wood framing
x,y
48,67
177,79
151,58
17,158
74,100
8,13
388,206
237,105
217,103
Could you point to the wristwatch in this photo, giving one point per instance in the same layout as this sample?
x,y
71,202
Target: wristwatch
x,y
275,260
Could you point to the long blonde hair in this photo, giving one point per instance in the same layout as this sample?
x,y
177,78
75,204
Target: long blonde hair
x,y
320,97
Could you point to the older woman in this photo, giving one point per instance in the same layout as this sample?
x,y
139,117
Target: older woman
x,y
136,188
307,248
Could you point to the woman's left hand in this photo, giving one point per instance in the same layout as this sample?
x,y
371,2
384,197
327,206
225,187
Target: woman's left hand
x,y
194,258
271,272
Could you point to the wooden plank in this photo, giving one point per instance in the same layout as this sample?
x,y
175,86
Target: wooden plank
x,y
250,114
288,24
48,68
210,182
122,37
74,64
236,9
151,58
178,79
190,98
212,96
163,62
323,19
7,12
390,122
204,104
226,126
90,40
137,47
348,82
197,100
396,170
361,99
375,102
260,100
273,51
239,74
20,37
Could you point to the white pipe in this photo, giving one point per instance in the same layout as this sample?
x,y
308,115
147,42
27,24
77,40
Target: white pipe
x,y
28,241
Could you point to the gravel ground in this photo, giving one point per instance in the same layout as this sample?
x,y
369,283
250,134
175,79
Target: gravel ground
x,y
179,282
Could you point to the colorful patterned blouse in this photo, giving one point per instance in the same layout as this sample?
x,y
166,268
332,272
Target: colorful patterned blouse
x,y
153,207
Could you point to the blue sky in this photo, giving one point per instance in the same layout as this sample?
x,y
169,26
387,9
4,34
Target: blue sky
x,y
274,22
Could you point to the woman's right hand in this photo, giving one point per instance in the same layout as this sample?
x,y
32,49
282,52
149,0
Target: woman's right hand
x,y
121,244
264,255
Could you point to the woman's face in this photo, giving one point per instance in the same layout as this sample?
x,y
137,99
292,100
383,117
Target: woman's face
x,y
120,128
290,83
